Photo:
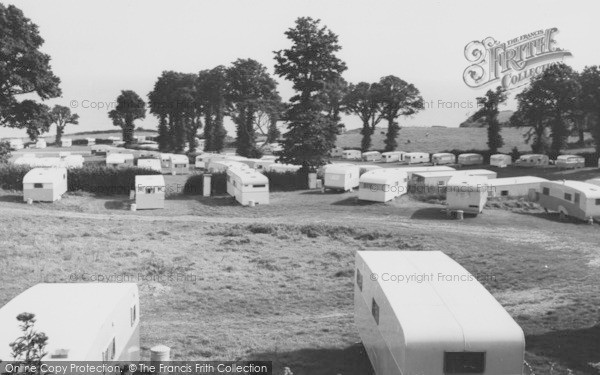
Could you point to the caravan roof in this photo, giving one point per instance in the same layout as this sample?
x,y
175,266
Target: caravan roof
x,y
250,176
442,308
463,180
70,314
590,190
341,168
150,180
515,180
178,158
43,175
383,176
115,159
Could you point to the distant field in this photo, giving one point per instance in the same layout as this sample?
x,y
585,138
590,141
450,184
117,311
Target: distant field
x,y
439,139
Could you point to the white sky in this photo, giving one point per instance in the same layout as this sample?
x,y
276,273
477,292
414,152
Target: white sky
x,y
99,48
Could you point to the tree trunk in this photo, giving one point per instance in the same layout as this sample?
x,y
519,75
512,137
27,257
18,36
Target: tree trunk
x,y
59,133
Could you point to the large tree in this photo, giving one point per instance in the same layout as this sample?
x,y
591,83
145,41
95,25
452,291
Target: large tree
x,y
590,100
250,90
211,90
34,117
399,98
130,107
310,64
489,111
548,106
61,116
332,96
366,101
24,69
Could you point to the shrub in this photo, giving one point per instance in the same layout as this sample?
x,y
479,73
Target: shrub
x,y
4,152
194,185
11,176
287,181
591,158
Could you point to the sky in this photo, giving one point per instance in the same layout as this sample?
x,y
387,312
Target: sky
x,y
99,48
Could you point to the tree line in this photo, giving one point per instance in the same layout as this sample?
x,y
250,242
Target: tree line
x,y
555,105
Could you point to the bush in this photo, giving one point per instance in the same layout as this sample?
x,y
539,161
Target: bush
x,y
194,185
591,158
4,152
287,181
11,176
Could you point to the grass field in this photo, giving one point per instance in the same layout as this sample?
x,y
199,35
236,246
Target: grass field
x,y
440,139
220,281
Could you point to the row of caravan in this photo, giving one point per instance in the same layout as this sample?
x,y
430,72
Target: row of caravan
x,y
64,160
445,158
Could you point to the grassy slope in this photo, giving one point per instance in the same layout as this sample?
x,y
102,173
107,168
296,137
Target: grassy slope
x,y
261,283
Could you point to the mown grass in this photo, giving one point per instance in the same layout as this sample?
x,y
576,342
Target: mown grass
x,y
282,291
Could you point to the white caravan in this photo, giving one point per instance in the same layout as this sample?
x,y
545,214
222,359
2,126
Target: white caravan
x,y
40,144
96,321
258,164
341,176
393,156
364,168
594,181
435,178
150,191
16,144
351,154
66,142
371,156
416,157
532,160
179,164
570,161
152,164
73,161
500,160
115,160
437,168
524,186
424,314
571,198
90,141
336,152
466,193
470,159
443,158
382,185
45,184
247,185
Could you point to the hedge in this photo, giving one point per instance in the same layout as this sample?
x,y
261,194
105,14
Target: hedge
x,y
100,180
287,181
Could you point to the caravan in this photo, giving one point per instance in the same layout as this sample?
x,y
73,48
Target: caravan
x,y
525,186
393,156
341,176
258,164
66,142
283,168
416,157
150,192
443,158
433,178
467,194
500,160
73,161
371,156
481,173
90,141
83,321
336,152
570,161
351,154
179,164
247,186
16,144
115,160
152,164
45,184
532,160
40,143
571,198
423,313
470,159
382,185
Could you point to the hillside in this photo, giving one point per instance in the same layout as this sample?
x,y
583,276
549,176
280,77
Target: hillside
x,y
503,117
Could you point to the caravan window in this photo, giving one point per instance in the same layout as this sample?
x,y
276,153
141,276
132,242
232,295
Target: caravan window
x,y
576,197
546,191
464,362
375,311
597,202
38,186
568,197
504,193
359,279
133,314
258,186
